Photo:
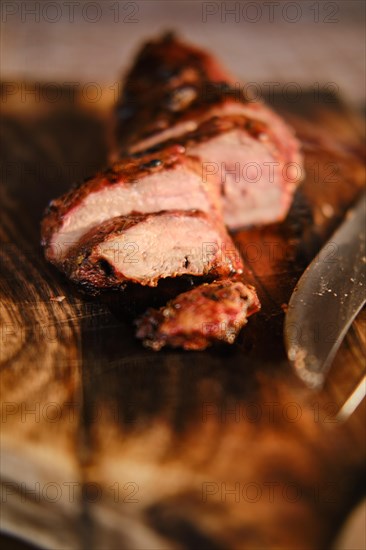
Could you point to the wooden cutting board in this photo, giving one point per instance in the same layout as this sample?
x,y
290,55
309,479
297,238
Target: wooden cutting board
x,y
108,445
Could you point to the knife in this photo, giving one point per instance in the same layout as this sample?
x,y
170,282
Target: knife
x,y
326,300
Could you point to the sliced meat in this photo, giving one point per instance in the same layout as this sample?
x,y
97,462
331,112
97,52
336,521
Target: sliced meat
x,y
247,169
170,84
255,185
172,91
189,146
214,312
168,180
146,248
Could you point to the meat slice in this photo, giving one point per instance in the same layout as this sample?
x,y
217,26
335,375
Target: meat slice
x,y
146,248
240,154
214,312
172,91
167,180
247,170
171,83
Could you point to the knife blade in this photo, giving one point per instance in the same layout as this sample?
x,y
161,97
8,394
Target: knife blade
x,y
326,300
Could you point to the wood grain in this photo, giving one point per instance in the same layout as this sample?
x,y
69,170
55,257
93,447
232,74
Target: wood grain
x,y
141,450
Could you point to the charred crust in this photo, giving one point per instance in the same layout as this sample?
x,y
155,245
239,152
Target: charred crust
x,y
125,171
208,305
106,267
210,296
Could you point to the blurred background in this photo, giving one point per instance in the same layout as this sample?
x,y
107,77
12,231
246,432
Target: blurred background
x,y
316,43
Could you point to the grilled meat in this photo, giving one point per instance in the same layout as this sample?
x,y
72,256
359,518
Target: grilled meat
x,y
145,248
168,180
214,312
168,82
194,154
175,92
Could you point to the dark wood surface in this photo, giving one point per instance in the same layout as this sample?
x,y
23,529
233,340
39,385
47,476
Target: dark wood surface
x,y
126,448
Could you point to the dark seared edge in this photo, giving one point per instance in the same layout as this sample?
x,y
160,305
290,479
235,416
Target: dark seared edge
x,y
93,274
212,312
127,170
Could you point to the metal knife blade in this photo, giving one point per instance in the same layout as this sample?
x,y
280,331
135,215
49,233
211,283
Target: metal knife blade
x,y
326,299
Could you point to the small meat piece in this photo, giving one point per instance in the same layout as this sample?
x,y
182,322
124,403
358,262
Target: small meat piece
x,y
168,180
172,90
146,248
194,320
